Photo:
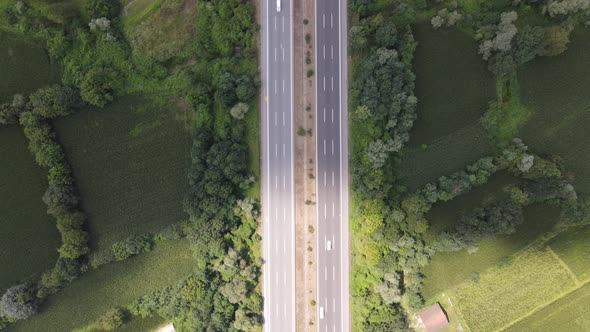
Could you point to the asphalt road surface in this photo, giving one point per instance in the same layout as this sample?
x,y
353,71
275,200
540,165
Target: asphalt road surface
x,y
331,171
277,166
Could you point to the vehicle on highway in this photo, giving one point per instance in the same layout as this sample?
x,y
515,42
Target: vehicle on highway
x,y
322,312
278,5
329,245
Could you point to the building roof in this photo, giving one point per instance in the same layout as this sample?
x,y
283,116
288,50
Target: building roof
x,y
433,318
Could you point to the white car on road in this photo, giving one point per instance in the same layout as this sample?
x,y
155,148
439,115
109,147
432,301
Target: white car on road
x,y
278,5
329,245
322,312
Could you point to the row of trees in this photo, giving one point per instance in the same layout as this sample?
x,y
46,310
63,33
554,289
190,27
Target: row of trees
x,y
224,294
60,197
386,109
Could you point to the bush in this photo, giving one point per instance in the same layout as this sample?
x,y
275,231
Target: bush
x,y
53,101
132,246
113,319
97,86
18,303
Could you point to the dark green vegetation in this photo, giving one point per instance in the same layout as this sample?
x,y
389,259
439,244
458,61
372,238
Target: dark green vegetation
x,y
28,238
422,217
114,139
453,85
448,269
25,66
131,163
116,284
555,90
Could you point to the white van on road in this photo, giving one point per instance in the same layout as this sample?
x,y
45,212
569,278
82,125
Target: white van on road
x,y
278,5
322,312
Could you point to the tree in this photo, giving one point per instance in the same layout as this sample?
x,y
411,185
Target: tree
x,y
358,37
239,111
102,8
556,40
19,302
53,101
111,320
97,86
386,35
246,88
234,291
226,88
132,246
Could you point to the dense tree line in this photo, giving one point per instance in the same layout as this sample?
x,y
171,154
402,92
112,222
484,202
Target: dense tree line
x,y
386,106
60,197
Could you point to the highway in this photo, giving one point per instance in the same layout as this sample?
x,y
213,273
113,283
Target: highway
x,y
331,166
277,166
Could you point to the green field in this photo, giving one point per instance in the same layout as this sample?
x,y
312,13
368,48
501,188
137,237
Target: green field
x,y
573,247
453,85
449,269
556,91
115,284
162,28
449,106
28,236
445,215
505,294
130,161
138,324
568,314
24,66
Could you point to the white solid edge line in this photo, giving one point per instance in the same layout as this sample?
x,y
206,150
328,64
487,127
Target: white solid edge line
x,y
266,296
292,170
315,60
344,317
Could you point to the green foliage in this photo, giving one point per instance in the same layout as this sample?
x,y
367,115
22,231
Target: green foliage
x,y
111,320
18,302
53,101
132,246
97,86
113,285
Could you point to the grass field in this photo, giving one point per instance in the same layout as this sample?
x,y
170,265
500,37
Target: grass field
x,y
138,324
445,215
115,284
161,28
24,66
28,236
449,269
573,247
130,161
556,91
503,295
568,314
453,85
447,133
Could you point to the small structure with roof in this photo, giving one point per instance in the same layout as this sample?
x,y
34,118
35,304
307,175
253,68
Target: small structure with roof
x,y
432,318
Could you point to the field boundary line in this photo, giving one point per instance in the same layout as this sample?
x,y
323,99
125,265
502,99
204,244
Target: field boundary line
x,y
541,307
458,312
564,265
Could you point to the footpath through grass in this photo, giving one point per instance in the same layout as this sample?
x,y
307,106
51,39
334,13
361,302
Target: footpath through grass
x,y
115,284
28,236
130,161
